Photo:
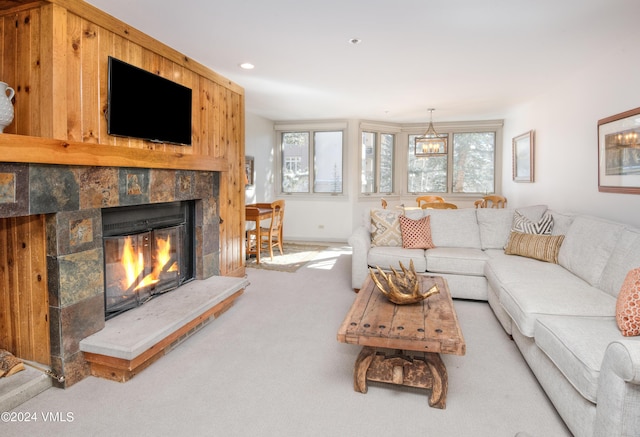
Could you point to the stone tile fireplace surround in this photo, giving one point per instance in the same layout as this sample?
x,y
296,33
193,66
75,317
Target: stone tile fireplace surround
x,y
71,198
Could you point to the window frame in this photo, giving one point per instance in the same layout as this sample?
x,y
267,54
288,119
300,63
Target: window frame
x,y
377,170
380,129
451,128
311,129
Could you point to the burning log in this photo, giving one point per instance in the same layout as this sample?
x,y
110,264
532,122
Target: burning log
x,y
401,288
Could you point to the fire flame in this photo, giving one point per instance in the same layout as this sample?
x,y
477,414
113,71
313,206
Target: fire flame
x,y
134,264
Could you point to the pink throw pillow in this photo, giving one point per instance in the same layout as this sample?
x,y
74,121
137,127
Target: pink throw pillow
x,y
628,305
416,234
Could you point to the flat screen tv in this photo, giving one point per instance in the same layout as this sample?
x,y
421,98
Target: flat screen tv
x,y
144,105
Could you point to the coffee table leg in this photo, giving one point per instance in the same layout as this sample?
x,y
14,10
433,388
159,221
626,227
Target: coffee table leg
x,y
360,369
438,397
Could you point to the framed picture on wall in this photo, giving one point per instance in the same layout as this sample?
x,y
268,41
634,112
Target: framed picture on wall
x,y
619,153
523,155
248,171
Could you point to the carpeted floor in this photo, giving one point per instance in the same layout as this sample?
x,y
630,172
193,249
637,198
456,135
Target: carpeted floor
x,y
295,256
271,366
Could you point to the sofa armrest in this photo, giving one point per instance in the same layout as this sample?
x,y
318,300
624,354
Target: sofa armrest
x,y
360,242
618,398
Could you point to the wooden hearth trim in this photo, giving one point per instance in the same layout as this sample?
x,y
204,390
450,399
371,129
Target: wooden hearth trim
x,y
28,149
122,370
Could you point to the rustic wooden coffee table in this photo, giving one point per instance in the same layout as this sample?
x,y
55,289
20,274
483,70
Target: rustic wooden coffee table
x,y
403,343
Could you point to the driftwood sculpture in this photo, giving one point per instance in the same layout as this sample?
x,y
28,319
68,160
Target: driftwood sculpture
x,y
401,288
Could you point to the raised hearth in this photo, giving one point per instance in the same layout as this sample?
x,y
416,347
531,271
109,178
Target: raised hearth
x,y
135,339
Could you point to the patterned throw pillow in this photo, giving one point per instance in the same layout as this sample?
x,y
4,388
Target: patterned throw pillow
x,y
527,226
540,247
416,234
385,228
628,305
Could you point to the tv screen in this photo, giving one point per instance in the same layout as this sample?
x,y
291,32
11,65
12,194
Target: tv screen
x,y
144,105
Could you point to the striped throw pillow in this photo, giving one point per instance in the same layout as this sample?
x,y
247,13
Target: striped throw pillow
x,y
527,226
540,247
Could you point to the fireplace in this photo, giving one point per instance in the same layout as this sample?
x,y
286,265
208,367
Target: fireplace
x,y
56,218
148,251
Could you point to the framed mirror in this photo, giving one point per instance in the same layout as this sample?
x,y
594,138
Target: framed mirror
x,y
248,171
523,157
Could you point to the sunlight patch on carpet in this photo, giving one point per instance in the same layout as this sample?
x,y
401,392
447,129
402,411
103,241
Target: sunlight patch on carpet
x,y
295,256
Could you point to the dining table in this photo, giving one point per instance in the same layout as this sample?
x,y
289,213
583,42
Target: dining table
x,y
256,212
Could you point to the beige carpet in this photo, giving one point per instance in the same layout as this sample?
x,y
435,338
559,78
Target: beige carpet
x,y
295,256
271,366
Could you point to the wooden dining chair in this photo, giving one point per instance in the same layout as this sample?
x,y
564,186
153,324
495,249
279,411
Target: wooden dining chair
x,y
439,205
270,236
493,201
428,199
251,234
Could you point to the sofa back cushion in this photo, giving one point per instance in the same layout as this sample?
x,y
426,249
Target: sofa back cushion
x,y
587,247
561,222
625,257
494,225
454,227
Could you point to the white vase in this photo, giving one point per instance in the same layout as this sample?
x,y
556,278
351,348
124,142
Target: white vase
x,y
6,107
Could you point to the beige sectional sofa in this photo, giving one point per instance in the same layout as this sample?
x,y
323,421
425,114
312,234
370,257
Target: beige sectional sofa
x,y
561,315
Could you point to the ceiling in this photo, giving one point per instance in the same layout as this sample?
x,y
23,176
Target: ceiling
x,y
468,59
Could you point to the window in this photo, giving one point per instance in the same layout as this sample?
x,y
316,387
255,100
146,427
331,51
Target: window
x,y
376,167
293,164
295,158
323,173
468,168
474,162
426,175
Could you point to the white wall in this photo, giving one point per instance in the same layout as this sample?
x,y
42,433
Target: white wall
x,y
566,140
259,143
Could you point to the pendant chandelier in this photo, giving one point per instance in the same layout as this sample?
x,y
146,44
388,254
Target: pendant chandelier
x,y
431,143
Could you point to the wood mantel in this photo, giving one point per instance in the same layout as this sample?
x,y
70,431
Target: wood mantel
x,y
27,149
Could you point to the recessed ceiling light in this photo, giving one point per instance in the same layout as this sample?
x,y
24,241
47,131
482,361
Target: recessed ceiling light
x,y
247,66
355,41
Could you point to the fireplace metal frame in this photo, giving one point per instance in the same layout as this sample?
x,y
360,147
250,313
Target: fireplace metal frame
x,y
136,219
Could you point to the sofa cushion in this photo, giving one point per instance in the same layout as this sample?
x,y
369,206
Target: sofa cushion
x,y
540,247
456,260
494,225
561,222
385,257
558,294
533,212
577,346
587,246
627,304
416,234
528,289
454,227
385,228
625,256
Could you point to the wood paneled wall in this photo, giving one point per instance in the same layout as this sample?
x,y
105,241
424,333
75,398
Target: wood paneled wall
x,y
24,304
55,55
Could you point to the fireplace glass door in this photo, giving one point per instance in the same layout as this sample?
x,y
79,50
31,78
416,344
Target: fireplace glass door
x,y
142,265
